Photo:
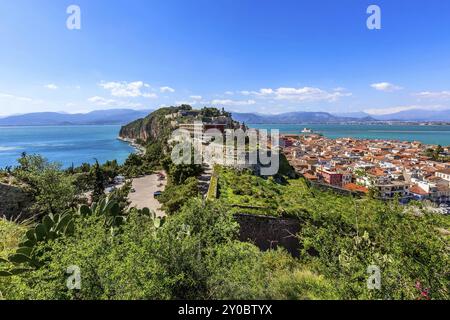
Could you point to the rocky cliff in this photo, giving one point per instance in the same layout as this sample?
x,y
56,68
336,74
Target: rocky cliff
x,y
157,125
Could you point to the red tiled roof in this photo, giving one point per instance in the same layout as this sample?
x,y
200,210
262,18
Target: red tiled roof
x,y
444,171
309,176
418,190
377,172
355,187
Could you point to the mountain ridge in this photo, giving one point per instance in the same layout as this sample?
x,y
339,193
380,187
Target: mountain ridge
x,y
98,117
417,115
125,116
295,118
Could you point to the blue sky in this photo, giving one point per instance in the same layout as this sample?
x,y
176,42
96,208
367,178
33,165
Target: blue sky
x,y
267,56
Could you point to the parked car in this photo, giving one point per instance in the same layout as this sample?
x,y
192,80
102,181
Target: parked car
x,y
133,190
110,189
157,194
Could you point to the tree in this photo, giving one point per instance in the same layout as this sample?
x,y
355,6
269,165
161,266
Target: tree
x,y
436,154
98,182
175,196
51,187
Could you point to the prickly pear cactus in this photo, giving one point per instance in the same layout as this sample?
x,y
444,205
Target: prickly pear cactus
x,y
25,258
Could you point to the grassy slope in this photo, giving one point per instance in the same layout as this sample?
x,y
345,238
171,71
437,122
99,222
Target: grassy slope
x,y
253,194
10,235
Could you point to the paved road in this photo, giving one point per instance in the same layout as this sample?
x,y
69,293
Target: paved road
x,y
143,197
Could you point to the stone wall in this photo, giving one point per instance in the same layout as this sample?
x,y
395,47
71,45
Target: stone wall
x,y
14,203
269,232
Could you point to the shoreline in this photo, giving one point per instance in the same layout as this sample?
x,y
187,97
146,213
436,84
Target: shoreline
x,y
140,150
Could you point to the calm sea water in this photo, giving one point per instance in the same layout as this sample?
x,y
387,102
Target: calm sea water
x,y
426,134
64,144
78,144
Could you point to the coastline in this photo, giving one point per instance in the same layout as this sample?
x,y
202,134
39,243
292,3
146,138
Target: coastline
x,y
140,150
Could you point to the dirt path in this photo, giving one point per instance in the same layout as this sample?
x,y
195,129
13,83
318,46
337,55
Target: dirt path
x,y
205,179
143,197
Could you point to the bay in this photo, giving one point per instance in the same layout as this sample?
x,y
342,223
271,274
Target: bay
x,y
426,134
64,144
78,144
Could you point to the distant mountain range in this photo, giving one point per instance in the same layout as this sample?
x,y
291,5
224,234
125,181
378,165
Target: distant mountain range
x,y
418,115
124,116
101,117
296,117
357,115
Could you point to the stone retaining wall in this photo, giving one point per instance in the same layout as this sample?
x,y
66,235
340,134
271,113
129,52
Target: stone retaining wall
x,y
14,203
270,232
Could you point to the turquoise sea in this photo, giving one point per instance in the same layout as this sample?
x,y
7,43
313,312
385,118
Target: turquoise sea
x,y
425,134
64,144
78,144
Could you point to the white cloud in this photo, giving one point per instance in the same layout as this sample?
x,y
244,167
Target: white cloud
x,y
299,94
52,86
13,97
385,86
166,90
192,102
150,95
104,102
270,91
128,89
100,101
228,102
437,95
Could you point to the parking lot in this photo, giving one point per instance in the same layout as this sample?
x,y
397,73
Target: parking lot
x,y
144,189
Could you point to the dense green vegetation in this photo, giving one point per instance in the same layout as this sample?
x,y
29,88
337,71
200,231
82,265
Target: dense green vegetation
x,y
154,127
248,193
10,234
176,195
194,255
341,236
